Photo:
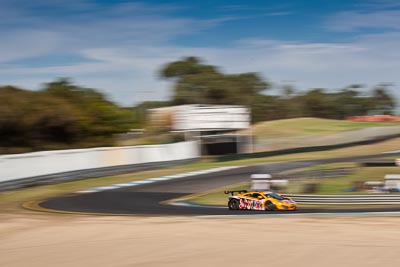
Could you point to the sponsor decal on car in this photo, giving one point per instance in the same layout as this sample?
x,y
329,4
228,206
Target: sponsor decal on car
x,y
249,204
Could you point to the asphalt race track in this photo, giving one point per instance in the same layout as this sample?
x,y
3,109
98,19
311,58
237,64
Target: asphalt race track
x,y
145,199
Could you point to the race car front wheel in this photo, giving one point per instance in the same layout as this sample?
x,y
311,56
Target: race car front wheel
x,y
233,204
270,206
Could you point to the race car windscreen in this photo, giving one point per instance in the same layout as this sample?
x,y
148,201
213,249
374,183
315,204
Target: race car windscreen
x,y
276,196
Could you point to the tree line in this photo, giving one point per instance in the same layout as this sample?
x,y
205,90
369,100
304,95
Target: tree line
x,y
198,83
64,115
61,115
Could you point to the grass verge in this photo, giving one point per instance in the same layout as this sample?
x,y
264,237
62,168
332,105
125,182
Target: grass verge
x,y
308,126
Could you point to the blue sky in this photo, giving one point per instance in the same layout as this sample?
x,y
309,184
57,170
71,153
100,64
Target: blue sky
x,y
119,46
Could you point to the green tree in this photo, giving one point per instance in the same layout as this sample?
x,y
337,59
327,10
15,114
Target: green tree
x,y
316,103
197,83
100,117
62,115
28,119
384,103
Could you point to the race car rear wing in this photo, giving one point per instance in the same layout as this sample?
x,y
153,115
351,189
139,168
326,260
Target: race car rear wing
x,y
235,191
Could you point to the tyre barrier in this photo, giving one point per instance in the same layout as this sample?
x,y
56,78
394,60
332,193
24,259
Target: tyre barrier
x,y
381,199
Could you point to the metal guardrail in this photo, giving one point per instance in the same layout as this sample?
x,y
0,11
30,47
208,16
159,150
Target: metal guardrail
x,y
381,199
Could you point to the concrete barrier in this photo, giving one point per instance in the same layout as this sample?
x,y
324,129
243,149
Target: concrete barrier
x,y
94,161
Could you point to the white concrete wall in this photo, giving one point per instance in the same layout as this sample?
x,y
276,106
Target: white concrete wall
x,y
26,165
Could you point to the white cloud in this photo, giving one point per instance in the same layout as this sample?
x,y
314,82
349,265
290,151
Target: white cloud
x,y
25,44
130,75
378,4
277,14
354,20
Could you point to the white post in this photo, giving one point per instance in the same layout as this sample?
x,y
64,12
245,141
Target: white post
x,y
238,150
251,140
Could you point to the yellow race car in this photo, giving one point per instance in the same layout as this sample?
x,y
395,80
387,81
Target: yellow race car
x,y
244,200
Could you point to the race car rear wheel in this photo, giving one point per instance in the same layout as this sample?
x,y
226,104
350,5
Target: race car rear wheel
x,y
233,204
270,206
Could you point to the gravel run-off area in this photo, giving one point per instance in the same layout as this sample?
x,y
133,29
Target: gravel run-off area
x,y
65,240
